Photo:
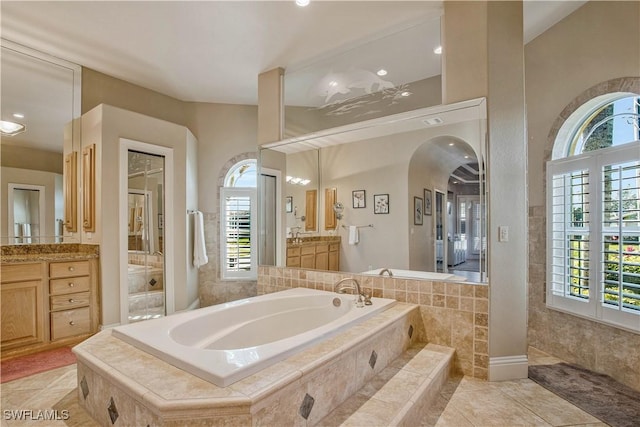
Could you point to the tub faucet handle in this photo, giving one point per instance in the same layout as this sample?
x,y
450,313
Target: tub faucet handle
x,y
367,299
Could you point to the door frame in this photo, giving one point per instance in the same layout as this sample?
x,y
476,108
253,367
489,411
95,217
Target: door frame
x,y
169,222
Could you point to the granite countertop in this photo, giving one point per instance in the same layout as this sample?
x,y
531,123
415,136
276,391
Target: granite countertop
x,y
48,252
306,241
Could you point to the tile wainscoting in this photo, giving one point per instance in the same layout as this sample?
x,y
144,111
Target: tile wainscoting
x,y
454,314
592,345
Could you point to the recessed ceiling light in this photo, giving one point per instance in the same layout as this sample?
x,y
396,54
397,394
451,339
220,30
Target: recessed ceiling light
x,y
302,3
381,72
405,93
438,50
466,157
18,115
11,128
433,121
333,83
451,144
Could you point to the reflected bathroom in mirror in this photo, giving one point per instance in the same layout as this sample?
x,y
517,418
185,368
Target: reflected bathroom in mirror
x,y
403,156
374,124
366,80
42,93
145,235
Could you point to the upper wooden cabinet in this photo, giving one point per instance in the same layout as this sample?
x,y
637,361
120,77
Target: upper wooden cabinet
x,y
311,210
89,188
70,191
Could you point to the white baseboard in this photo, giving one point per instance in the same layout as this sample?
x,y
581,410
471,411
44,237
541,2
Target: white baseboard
x,y
112,325
508,368
194,305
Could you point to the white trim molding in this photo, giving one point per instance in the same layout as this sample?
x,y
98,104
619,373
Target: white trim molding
x,y
508,368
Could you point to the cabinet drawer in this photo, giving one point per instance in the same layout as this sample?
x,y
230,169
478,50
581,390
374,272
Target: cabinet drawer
x,y
69,285
68,269
334,247
65,302
308,250
70,322
293,251
322,247
293,261
20,272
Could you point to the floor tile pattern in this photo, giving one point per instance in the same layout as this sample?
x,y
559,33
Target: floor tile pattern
x,y
463,402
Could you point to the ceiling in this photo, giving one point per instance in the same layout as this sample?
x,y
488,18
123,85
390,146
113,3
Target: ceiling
x,y
213,51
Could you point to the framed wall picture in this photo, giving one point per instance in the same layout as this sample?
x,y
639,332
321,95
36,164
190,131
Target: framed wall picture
x,y
418,210
289,204
380,203
359,199
427,202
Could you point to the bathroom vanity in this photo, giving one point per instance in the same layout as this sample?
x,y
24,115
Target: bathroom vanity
x,y
49,296
319,253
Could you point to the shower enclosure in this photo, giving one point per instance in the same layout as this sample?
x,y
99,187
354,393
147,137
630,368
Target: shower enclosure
x,y
145,204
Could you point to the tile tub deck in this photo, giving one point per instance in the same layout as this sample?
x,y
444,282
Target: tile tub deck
x,y
121,385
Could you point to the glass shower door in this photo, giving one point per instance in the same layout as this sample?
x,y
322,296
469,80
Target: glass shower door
x,y
145,270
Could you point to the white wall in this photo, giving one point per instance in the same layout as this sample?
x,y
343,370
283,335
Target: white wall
x,y
104,126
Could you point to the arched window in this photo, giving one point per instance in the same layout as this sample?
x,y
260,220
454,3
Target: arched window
x,y
238,206
593,212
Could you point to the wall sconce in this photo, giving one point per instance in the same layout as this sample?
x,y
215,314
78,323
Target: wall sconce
x,y
338,208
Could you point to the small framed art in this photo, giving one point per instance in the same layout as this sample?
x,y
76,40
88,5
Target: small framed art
x,y
359,199
380,203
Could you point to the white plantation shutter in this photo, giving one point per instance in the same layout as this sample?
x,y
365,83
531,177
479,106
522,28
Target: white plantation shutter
x,y
593,235
238,236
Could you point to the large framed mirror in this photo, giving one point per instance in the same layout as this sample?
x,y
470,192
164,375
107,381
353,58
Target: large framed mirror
x,y
42,93
435,154
369,124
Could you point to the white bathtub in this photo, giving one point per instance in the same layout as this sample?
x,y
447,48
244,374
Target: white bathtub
x,y
412,274
228,342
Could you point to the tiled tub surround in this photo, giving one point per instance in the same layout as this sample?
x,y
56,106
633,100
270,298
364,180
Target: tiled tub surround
x,y
454,314
121,385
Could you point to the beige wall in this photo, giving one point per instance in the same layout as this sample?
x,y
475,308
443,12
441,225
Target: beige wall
x,y
226,134
577,59
483,56
598,42
99,88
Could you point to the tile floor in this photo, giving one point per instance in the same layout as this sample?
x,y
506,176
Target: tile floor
x,y
464,402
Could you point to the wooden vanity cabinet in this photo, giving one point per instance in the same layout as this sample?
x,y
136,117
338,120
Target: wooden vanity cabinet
x,y
47,304
315,255
21,300
334,257
308,256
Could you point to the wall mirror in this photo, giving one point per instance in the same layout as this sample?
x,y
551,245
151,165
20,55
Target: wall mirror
x,y
435,154
366,121
365,80
43,93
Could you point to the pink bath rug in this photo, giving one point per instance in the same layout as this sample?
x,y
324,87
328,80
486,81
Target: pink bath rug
x,y
23,366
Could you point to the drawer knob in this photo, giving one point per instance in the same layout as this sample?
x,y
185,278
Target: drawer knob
x,y
71,269
72,323
71,284
71,300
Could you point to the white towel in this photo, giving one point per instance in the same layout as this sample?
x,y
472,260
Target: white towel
x,y
354,235
199,250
